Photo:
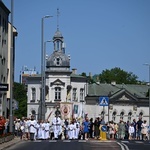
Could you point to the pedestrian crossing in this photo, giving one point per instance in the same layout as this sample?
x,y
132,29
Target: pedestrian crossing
x,y
65,141
68,141
93,141
134,141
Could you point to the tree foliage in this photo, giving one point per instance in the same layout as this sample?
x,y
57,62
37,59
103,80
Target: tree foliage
x,y
115,74
20,95
118,75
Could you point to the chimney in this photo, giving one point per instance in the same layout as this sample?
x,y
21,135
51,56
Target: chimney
x,y
74,71
90,75
113,83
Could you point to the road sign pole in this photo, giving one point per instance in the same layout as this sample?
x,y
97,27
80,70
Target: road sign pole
x,y
108,113
103,113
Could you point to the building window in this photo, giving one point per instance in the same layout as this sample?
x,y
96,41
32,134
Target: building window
x,y
114,115
129,116
58,45
58,61
33,94
74,94
81,94
33,112
57,93
121,115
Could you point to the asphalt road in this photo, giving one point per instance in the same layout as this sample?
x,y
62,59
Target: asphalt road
x,y
136,145
66,145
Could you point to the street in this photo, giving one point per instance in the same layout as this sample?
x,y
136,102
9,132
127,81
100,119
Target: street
x,y
136,145
66,144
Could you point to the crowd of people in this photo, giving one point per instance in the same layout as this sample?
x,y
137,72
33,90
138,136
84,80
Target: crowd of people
x,y
31,129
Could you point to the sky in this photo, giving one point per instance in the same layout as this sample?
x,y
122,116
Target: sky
x,y
99,34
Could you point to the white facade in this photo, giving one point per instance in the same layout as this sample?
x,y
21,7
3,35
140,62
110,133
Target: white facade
x,y
62,86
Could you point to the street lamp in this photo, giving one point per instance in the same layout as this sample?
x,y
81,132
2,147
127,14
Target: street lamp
x,y
44,66
42,117
146,64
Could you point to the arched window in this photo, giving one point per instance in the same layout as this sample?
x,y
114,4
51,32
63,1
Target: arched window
x,y
121,115
129,116
141,114
114,115
33,113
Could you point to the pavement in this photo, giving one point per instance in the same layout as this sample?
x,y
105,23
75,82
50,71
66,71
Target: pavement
x,y
10,143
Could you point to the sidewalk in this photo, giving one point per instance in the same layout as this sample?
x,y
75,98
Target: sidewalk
x,y
10,143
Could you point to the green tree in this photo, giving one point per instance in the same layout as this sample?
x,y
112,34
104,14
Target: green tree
x,y
118,75
20,95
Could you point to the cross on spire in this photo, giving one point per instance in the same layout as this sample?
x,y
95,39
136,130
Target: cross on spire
x,y
58,13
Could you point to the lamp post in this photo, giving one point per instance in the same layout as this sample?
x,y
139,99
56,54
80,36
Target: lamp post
x,y
44,66
11,72
42,117
146,64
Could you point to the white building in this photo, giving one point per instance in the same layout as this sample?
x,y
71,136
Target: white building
x,y
64,88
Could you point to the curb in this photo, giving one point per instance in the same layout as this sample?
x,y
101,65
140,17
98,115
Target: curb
x,y
10,143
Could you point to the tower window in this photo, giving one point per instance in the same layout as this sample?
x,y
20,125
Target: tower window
x,y
58,61
33,94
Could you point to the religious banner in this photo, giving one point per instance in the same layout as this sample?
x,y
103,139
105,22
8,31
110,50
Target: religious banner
x,y
66,110
77,110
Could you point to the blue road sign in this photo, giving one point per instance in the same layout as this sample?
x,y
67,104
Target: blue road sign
x,y
103,101
104,128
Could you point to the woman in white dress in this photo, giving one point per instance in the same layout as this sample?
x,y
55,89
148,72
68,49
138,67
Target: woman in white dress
x,y
144,130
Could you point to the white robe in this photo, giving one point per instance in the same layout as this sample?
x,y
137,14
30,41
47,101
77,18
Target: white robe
x,y
71,131
32,126
43,131
47,130
57,127
77,129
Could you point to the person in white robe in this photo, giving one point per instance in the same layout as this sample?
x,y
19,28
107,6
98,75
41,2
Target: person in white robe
x,y
38,132
71,131
26,128
42,130
56,126
47,130
77,129
32,128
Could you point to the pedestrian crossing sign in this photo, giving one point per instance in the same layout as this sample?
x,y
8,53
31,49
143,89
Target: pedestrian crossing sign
x,y
103,101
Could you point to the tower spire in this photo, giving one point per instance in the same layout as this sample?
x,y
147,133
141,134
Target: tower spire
x,y
58,13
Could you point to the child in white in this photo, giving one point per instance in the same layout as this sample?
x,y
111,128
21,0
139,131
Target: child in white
x,y
131,131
